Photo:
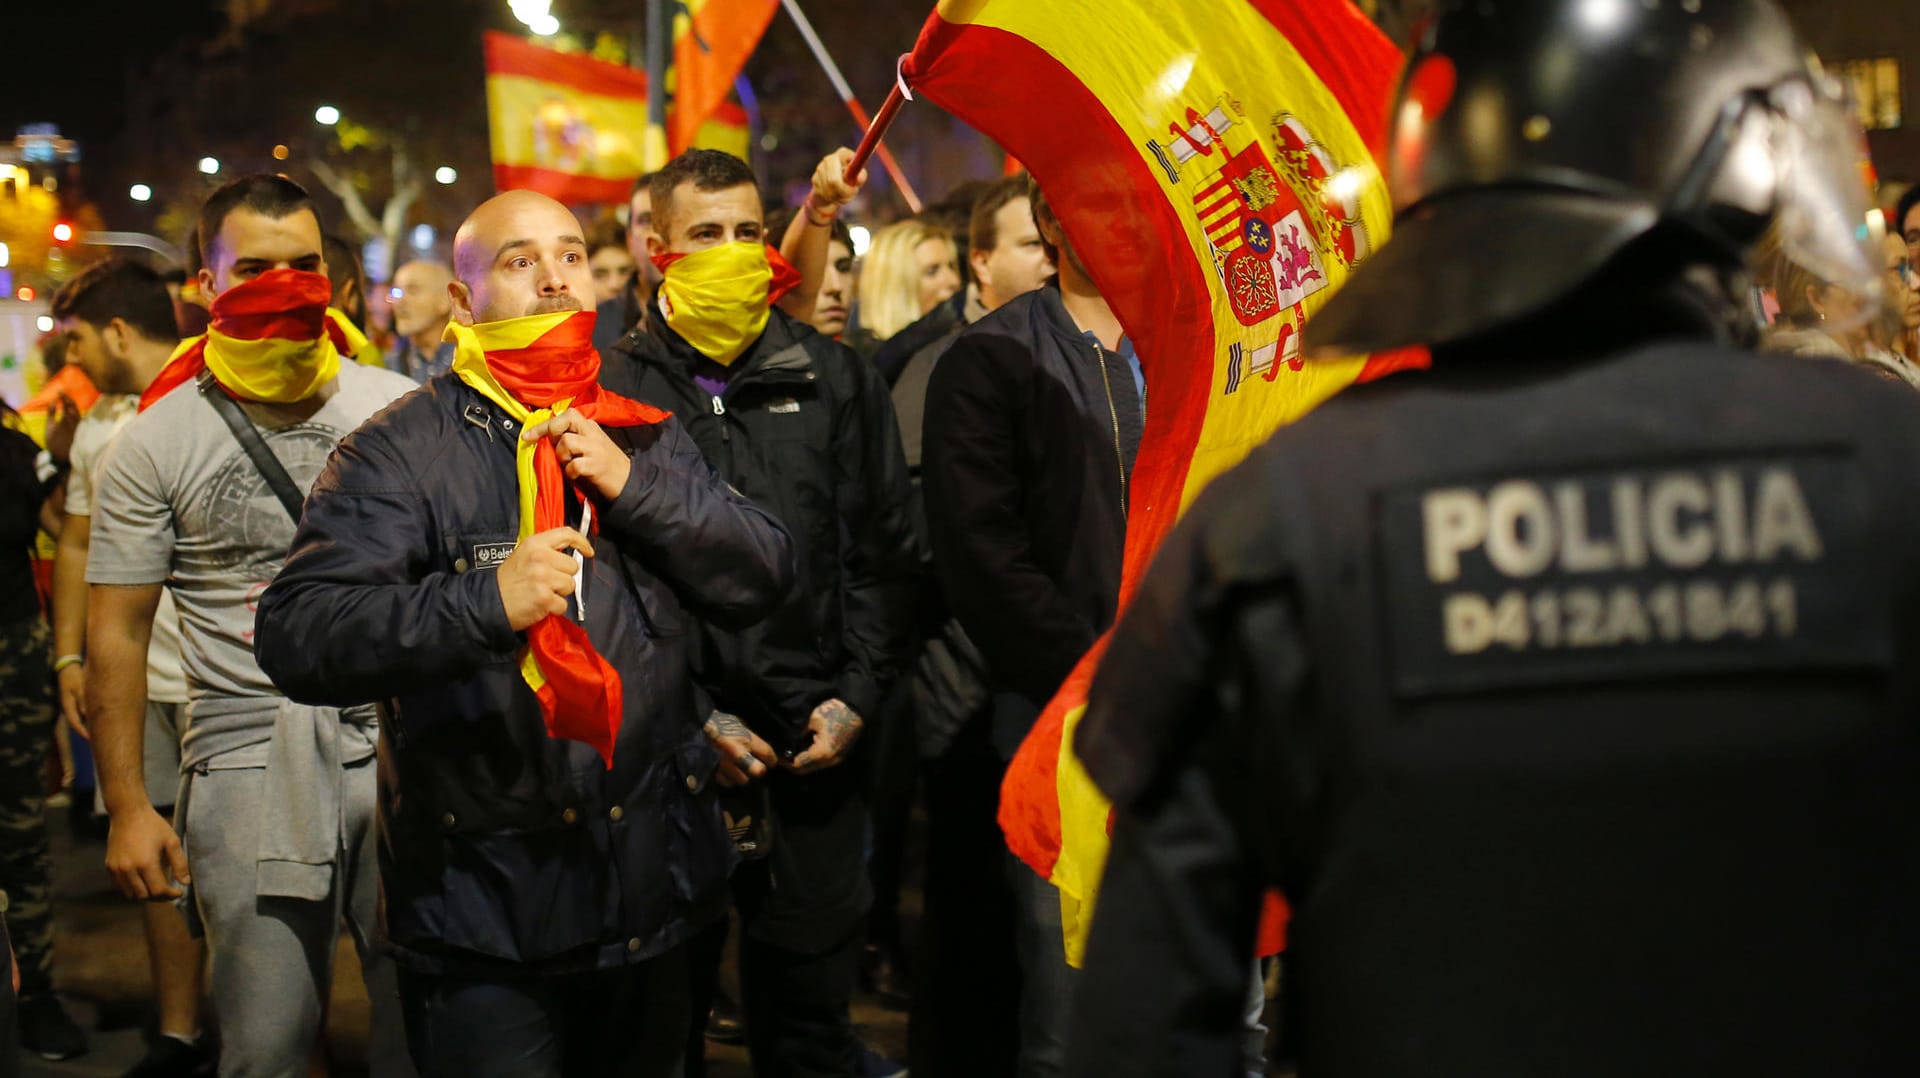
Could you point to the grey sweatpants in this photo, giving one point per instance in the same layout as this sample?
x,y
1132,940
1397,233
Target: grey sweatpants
x,y
272,958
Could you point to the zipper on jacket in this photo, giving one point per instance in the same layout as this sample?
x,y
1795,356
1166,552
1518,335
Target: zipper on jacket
x,y
1113,413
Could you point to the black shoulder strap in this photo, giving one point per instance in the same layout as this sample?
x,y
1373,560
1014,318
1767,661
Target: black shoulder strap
x,y
248,436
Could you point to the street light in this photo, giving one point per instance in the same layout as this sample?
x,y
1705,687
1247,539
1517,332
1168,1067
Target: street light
x,y
445,175
861,238
44,323
140,192
544,26
62,232
6,256
537,15
327,115
209,165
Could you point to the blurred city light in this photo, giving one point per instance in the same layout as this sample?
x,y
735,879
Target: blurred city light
x,y
44,323
62,232
280,152
140,192
861,238
326,114
537,15
545,26
6,256
445,174
209,165
423,236
26,293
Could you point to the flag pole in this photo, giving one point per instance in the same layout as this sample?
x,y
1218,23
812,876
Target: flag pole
x,y
659,42
870,144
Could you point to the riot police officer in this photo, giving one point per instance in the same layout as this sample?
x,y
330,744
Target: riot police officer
x,y
1566,690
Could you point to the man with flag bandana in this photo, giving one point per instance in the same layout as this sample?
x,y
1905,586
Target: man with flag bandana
x,y
799,424
508,561
275,810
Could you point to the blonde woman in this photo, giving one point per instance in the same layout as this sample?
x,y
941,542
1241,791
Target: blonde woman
x,y
910,268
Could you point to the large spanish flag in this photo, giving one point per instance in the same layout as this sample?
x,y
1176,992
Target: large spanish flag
x,y
1214,164
573,127
711,42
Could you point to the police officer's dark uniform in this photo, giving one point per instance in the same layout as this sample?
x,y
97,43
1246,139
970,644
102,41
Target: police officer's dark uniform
x,y
1567,690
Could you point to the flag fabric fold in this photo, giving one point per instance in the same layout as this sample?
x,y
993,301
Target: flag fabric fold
x,y
572,127
1214,163
535,368
711,42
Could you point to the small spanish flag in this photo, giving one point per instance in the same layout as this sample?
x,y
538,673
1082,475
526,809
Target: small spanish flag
x,y
1220,182
573,127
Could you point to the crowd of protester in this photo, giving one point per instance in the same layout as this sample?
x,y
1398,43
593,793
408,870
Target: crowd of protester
x,y
848,526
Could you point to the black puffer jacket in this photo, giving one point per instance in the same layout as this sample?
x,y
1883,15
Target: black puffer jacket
x,y
503,846
807,430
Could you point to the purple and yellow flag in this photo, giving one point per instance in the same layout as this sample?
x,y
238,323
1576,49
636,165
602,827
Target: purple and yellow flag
x,y
1214,164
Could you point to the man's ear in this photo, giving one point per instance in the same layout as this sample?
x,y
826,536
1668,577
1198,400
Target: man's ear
x,y
116,336
655,245
977,260
462,298
206,285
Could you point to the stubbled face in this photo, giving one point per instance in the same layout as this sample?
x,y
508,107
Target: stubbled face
x,y
612,272
250,244
938,264
1018,262
696,220
420,300
520,254
830,312
100,352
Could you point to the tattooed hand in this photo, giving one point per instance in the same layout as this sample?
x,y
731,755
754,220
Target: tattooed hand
x,y
835,728
743,755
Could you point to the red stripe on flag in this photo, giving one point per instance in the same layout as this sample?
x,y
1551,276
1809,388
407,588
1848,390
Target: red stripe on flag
x,y
1347,53
1109,200
563,186
509,55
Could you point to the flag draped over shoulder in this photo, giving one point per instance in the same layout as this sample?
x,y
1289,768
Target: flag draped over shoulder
x,y
711,42
572,127
1214,164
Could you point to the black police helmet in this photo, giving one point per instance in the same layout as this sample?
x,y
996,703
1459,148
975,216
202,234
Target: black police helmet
x,y
1534,140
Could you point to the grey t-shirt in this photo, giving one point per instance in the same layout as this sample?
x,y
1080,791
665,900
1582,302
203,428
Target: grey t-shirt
x,y
178,502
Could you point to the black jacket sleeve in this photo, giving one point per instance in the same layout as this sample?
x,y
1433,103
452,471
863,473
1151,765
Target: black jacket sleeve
x,y
726,558
355,616
1027,628
880,554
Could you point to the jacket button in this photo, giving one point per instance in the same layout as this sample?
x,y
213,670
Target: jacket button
x,y
447,820
460,565
633,945
569,816
615,813
693,783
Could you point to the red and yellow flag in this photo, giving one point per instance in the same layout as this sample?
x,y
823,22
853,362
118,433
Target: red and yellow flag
x,y
1214,163
573,127
711,42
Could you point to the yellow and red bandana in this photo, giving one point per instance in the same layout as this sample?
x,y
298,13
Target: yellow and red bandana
x,y
272,339
535,368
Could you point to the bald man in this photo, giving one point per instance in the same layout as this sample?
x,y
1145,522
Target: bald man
x,y
547,854
422,306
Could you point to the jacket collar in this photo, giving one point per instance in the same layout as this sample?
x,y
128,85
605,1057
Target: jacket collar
x,y
778,349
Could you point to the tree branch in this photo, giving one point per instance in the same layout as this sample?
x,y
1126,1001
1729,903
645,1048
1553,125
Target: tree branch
x,y
349,197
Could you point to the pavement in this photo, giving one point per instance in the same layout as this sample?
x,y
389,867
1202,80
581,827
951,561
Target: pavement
x,y
100,970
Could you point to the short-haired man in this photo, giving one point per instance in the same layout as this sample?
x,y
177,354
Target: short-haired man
x,y
421,311
276,800
616,317
119,325
349,279
964,1022
552,836
1032,422
801,426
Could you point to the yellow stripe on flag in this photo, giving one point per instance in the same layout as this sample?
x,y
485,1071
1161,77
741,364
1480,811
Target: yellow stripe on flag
x,y
543,125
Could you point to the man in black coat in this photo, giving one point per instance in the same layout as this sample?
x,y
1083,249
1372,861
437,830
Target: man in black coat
x,y
1033,418
1565,689
797,423
551,834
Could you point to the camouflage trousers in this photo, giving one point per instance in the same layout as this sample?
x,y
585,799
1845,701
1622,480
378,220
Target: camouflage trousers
x,y
26,735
